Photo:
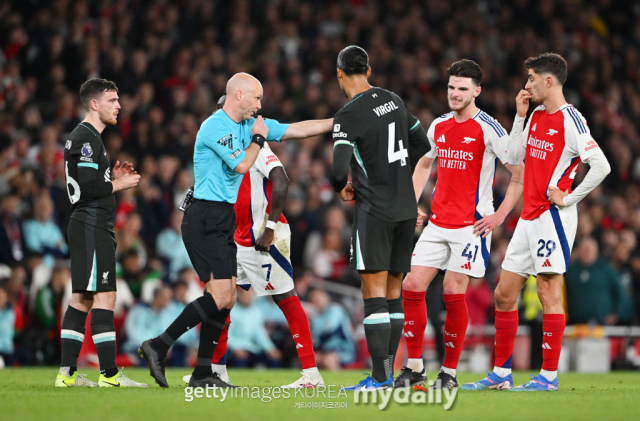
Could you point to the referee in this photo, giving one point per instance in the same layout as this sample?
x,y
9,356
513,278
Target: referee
x,y
92,244
227,146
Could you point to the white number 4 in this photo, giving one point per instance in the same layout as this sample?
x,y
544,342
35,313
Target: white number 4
x,y
400,155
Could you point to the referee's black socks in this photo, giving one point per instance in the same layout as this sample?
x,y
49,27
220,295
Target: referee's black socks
x,y
104,337
210,332
377,329
72,337
197,311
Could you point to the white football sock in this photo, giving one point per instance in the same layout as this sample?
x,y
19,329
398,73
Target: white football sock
x,y
312,372
501,371
449,371
549,375
416,364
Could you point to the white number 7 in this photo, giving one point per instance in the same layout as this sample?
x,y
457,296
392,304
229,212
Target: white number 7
x,y
401,155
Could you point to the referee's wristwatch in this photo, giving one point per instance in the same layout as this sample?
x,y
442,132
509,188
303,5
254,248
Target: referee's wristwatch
x,y
258,139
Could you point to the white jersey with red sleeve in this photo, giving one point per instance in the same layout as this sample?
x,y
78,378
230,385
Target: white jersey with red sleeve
x,y
468,154
254,202
555,145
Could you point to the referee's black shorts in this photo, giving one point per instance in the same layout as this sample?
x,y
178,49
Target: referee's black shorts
x,y
93,258
207,231
379,246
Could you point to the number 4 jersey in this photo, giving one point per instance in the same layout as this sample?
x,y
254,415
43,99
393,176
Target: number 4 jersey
x,y
88,175
377,124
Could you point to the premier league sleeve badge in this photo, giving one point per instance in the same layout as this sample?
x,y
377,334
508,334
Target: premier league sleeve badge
x,y
86,151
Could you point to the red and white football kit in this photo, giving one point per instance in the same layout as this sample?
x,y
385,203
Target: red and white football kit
x,y
468,154
552,146
269,273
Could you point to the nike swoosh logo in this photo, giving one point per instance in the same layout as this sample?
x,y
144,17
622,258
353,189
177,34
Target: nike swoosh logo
x,y
66,384
112,384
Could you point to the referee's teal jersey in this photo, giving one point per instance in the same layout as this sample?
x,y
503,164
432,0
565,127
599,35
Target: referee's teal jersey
x,y
219,148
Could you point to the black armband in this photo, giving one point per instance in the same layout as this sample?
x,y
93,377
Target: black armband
x,y
258,139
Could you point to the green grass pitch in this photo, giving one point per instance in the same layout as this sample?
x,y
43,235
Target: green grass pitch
x,y
28,394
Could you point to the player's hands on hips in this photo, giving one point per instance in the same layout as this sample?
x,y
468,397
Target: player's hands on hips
x,y
421,217
522,102
556,196
487,224
348,193
259,127
264,241
121,169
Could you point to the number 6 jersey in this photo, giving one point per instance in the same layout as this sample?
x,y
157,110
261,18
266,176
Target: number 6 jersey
x,y
88,175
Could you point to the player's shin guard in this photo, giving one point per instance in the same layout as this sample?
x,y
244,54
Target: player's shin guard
x,y
455,328
194,313
72,337
553,329
396,317
377,329
210,332
300,329
506,329
415,321
104,337
220,354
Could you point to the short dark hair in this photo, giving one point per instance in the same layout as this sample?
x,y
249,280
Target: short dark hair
x,y
551,63
353,60
466,68
94,88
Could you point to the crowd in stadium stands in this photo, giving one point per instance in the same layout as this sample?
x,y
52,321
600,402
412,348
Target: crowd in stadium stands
x,y
171,62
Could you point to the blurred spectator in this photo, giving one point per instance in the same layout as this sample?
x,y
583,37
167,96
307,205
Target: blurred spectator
x,y
186,344
45,331
11,238
479,299
41,234
594,292
146,321
330,262
332,332
171,248
7,329
249,343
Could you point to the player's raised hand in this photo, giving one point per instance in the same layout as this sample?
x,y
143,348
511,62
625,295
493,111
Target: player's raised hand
x,y
348,193
421,217
259,127
556,196
522,102
487,224
121,169
264,241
